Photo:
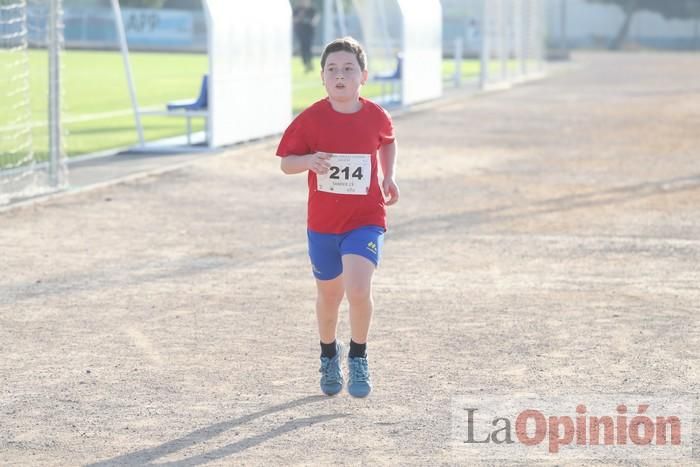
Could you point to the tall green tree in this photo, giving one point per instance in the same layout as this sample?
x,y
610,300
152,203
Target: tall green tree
x,y
670,9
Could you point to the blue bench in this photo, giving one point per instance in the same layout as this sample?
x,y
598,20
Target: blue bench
x,y
200,103
392,78
189,108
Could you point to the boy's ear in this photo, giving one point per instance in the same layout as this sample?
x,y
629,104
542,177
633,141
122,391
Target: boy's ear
x,y
365,75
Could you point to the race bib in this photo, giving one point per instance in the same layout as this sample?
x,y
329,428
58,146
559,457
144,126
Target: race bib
x,y
349,174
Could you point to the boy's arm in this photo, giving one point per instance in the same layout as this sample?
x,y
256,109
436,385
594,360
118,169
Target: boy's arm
x,y
387,159
317,162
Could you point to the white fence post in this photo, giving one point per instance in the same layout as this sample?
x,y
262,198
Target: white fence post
x,y
458,62
54,49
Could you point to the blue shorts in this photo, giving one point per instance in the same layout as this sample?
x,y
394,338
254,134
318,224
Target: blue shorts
x,y
326,250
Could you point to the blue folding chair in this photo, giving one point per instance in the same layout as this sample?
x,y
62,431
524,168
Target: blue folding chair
x,y
393,78
200,103
190,108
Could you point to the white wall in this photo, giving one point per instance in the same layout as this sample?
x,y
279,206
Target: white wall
x,y
250,79
421,49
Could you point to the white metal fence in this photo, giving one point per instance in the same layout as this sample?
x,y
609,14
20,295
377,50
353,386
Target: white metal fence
x,y
512,46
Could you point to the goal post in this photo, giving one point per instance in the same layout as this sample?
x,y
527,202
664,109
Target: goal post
x,y
54,23
403,39
32,155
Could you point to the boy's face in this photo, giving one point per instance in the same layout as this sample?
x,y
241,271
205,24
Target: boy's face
x,y
342,76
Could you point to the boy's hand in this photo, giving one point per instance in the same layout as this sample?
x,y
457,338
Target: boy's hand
x,y
391,191
318,162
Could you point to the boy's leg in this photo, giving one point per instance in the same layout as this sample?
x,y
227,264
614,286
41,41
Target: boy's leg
x,y
327,268
361,250
357,280
329,295
357,274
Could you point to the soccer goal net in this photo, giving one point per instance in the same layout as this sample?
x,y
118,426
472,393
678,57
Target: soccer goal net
x,y
381,33
32,157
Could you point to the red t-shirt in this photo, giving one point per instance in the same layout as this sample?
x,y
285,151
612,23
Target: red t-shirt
x,y
319,128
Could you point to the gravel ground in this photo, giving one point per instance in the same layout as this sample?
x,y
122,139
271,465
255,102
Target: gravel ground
x,y
547,243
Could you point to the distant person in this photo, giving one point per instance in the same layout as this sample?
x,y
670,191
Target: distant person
x,y
305,19
473,34
341,142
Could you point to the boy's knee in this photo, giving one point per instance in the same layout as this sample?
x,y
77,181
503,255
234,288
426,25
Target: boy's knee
x,y
331,297
358,293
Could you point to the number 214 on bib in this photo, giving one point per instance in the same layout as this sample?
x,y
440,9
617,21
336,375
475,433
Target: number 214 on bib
x,y
350,174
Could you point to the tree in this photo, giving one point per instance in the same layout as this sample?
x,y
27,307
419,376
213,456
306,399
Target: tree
x,y
670,9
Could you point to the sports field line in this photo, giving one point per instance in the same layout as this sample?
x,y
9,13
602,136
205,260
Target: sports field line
x,y
80,118
115,113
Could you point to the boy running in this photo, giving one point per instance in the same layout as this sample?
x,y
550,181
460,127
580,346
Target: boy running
x,y
341,141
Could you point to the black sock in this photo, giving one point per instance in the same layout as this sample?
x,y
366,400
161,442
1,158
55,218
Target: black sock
x,y
328,350
357,350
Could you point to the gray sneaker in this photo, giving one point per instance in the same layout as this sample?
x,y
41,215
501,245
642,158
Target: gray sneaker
x,y
331,376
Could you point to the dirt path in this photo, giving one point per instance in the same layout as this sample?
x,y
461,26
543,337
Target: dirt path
x,y
547,242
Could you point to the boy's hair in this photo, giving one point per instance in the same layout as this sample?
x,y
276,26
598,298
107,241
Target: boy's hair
x,y
345,44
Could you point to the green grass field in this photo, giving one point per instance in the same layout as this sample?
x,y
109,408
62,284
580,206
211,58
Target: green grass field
x,y
97,109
